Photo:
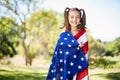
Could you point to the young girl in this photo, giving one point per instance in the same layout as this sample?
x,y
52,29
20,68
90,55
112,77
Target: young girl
x,y
70,56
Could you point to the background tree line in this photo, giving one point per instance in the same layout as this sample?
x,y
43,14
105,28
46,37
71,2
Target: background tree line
x,y
23,23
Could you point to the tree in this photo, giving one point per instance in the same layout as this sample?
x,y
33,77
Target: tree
x,y
8,42
20,10
46,29
113,48
96,47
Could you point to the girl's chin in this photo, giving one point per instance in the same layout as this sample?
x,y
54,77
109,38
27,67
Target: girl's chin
x,y
73,25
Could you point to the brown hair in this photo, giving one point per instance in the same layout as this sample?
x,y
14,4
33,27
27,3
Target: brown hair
x,y
82,18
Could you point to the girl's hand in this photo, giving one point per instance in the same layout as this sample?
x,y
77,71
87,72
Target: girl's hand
x,y
80,44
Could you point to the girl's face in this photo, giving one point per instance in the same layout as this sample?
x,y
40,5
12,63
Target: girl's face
x,y
74,18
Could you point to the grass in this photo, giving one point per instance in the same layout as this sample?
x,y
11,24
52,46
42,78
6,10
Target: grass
x,y
11,72
39,73
22,73
104,74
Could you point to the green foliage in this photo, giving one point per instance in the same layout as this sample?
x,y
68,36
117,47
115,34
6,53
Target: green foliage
x,y
95,47
104,62
8,42
113,48
44,25
101,63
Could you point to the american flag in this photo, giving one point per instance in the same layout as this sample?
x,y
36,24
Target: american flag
x,y
68,59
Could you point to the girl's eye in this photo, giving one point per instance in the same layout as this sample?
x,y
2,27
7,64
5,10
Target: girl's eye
x,y
78,17
71,16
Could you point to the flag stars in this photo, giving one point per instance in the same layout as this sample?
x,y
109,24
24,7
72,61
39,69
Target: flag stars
x,y
61,43
61,69
73,41
74,56
71,64
54,78
68,34
79,67
61,78
67,52
65,38
68,72
82,59
69,45
55,52
66,58
61,60
78,48
52,71
60,52
64,61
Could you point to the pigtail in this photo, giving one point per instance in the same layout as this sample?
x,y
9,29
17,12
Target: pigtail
x,y
83,18
66,11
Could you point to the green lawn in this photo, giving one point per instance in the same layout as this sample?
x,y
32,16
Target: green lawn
x,y
22,73
104,74
38,73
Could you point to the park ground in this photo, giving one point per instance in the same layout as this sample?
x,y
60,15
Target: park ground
x,y
39,72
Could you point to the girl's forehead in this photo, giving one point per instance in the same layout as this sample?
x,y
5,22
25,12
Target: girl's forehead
x,y
74,12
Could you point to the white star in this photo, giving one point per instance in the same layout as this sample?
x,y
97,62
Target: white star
x,y
64,61
78,48
52,71
79,67
71,63
67,52
61,77
68,34
65,38
55,52
54,78
61,60
61,43
72,40
75,56
82,59
69,45
60,52
68,72
61,69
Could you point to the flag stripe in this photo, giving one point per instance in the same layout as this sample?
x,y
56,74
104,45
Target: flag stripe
x,y
86,56
85,48
80,33
82,37
85,78
82,75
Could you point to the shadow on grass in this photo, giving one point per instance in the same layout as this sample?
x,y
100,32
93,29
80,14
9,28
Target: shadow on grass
x,y
110,76
19,75
113,76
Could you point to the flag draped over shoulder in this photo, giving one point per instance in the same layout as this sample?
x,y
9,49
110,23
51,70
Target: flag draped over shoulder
x,y
68,59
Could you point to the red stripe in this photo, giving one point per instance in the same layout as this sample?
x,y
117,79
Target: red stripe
x,y
82,74
85,48
80,33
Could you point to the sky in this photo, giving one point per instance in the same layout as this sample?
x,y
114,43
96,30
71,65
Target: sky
x,y
102,16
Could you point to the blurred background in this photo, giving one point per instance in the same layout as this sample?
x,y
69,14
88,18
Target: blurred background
x,y
29,30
